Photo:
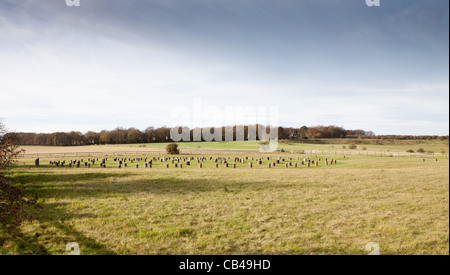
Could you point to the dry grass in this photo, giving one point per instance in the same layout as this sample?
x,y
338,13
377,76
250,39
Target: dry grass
x,y
400,203
90,148
401,146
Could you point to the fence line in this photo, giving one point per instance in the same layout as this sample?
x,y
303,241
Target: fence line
x,y
214,152
131,153
372,153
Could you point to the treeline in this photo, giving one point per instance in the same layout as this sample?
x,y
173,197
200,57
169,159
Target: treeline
x,y
406,137
162,134
321,132
116,136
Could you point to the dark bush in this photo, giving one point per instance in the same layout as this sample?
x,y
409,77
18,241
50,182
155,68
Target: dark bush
x,y
12,199
12,202
172,149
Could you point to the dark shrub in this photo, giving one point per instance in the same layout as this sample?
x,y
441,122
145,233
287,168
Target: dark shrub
x,y
12,199
172,149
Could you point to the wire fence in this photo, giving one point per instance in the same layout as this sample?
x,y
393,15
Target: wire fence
x,y
236,152
372,153
131,153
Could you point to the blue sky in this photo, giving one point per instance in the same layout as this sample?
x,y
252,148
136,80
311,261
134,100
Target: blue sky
x,y
124,63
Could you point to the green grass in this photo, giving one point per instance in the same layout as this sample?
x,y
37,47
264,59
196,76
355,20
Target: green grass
x,y
328,145
400,203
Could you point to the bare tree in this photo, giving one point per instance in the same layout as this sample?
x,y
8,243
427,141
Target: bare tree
x,y
12,199
8,150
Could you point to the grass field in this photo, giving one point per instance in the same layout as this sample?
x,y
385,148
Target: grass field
x,y
400,203
329,145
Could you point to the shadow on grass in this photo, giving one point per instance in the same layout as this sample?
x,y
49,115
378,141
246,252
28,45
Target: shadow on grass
x,y
47,184
21,243
86,244
56,219
55,228
38,176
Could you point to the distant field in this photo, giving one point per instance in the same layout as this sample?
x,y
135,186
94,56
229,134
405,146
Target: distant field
x,y
397,146
400,203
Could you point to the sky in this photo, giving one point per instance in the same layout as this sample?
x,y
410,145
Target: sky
x,y
133,63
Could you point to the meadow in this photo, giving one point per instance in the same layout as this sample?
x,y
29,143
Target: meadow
x,y
396,146
400,203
